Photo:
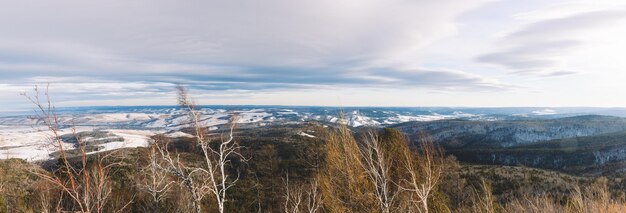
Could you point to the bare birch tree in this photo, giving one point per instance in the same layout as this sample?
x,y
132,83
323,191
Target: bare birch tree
x,y
377,164
217,158
190,178
301,198
155,181
425,168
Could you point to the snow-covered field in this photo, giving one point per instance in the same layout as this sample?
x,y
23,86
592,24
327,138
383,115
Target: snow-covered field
x,y
132,139
25,137
37,143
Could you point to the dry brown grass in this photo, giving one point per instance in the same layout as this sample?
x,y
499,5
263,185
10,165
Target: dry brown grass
x,y
593,199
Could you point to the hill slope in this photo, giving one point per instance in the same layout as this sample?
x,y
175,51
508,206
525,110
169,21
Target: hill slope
x,y
463,134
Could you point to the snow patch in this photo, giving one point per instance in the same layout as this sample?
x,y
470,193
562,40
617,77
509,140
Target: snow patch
x,y
179,134
545,112
306,135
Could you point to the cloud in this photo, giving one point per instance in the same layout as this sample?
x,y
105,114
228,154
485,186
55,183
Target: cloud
x,y
130,48
559,73
270,79
268,33
532,56
160,89
564,26
543,46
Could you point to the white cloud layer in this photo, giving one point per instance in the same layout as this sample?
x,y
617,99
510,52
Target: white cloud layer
x,y
244,52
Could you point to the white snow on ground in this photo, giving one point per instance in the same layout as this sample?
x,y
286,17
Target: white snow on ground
x,y
34,144
221,117
287,112
179,134
251,116
306,135
132,139
215,119
83,119
545,112
460,114
19,139
177,121
114,117
361,120
30,143
407,118
158,123
174,120
431,117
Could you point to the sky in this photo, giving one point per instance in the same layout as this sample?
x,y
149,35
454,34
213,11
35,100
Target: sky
x,y
485,53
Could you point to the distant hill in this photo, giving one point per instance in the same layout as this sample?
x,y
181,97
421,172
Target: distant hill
x,y
590,144
590,155
474,134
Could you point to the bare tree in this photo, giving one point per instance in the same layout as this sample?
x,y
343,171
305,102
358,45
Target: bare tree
x,y
301,198
377,164
217,156
189,177
155,180
425,168
87,187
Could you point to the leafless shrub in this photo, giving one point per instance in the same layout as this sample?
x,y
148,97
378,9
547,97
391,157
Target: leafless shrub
x,y
596,198
484,201
534,204
86,188
45,194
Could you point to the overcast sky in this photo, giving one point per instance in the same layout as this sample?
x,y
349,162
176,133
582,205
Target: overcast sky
x,y
322,52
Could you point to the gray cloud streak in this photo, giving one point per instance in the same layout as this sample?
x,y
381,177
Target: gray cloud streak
x,y
136,47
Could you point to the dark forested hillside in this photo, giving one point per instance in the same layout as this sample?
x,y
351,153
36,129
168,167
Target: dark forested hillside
x,y
591,145
590,155
462,134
